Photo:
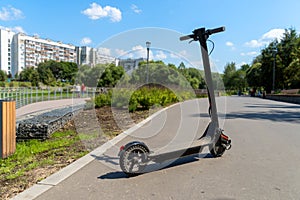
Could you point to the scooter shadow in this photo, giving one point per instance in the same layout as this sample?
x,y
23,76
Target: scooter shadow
x,y
158,166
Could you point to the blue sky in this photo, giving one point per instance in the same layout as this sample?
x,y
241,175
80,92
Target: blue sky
x,y
250,25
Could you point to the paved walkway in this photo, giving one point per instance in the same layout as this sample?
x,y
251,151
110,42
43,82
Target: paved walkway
x,y
44,106
160,131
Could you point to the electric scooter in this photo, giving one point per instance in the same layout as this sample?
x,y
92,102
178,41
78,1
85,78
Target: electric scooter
x,y
135,155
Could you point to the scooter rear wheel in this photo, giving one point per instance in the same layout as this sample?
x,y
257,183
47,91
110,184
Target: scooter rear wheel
x,y
134,160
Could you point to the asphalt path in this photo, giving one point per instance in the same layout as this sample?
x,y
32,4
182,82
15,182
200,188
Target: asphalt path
x,y
264,162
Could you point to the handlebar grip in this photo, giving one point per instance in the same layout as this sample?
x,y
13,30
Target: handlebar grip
x,y
216,30
186,37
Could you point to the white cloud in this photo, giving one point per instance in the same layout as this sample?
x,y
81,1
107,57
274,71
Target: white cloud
x,y
160,55
255,43
104,51
274,34
266,38
85,41
252,53
16,29
135,9
97,12
138,47
10,13
120,52
229,44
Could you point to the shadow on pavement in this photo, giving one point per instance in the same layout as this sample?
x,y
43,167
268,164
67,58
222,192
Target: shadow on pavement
x,y
277,116
272,106
155,166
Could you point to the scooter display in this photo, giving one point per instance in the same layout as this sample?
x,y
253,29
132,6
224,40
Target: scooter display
x,y
135,155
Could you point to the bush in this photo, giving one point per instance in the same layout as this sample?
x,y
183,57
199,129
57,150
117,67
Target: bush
x,y
102,100
143,98
2,84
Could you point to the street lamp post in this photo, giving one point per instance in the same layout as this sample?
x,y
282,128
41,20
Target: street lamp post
x,y
274,65
148,47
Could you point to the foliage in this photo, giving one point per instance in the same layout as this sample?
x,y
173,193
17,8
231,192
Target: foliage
x,y
143,98
61,71
284,55
3,75
30,74
111,75
28,154
102,75
235,79
46,75
102,100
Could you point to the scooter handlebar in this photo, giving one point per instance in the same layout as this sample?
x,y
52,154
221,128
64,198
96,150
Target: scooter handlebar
x,y
216,30
207,32
186,37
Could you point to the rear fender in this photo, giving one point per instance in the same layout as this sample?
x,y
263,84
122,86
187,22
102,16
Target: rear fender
x,y
130,144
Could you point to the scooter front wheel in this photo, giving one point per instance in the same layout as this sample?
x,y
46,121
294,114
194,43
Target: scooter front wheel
x,y
133,160
217,150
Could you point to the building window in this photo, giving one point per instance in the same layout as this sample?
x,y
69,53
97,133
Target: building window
x,y
8,68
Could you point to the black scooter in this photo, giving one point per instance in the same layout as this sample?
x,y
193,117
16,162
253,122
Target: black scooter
x,y
135,155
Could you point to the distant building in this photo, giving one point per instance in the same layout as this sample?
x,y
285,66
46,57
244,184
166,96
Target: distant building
x,y
6,50
130,64
92,56
86,56
19,51
30,51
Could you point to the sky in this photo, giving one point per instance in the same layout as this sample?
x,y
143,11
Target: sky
x,y
122,27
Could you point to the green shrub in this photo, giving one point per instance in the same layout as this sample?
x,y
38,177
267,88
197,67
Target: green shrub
x,y
102,100
2,84
143,98
120,98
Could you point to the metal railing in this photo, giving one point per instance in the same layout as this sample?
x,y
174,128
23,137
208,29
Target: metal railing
x,y
24,95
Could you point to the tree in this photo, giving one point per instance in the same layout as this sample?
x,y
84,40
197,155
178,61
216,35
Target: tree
x,y
111,76
228,77
253,75
3,75
45,74
30,74
292,73
60,71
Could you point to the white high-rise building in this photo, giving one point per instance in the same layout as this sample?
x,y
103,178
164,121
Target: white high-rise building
x,y
19,51
6,50
30,51
92,56
86,56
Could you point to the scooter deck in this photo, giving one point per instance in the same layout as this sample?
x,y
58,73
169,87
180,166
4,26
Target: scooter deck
x,y
176,151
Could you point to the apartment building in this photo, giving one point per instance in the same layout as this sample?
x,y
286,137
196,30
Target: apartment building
x,y
93,56
29,51
6,50
19,51
130,64
86,56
